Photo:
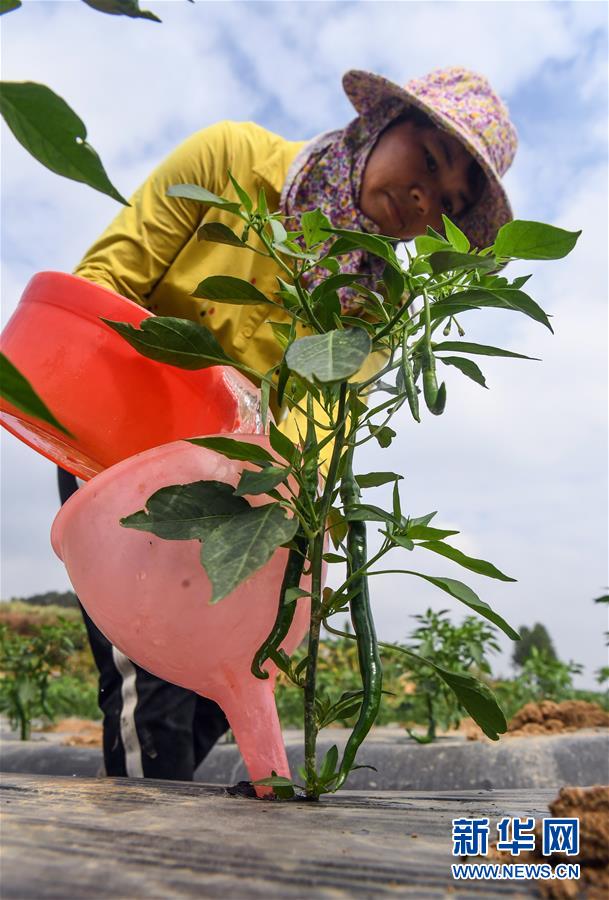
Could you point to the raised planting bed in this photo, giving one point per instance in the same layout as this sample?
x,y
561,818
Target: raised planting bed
x,y
451,763
69,838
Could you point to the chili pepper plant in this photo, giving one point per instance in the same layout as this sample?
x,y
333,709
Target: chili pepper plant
x,y
408,318
437,639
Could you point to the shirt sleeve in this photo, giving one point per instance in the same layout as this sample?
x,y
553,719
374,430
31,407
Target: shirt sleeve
x,y
142,242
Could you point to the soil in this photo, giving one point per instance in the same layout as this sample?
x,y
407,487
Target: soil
x,y
591,806
79,732
548,717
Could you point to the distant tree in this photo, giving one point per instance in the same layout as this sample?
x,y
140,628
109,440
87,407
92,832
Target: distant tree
x,y
537,636
51,598
604,599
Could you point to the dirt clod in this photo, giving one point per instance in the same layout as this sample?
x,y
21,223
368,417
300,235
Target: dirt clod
x,y
548,717
79,732
591,807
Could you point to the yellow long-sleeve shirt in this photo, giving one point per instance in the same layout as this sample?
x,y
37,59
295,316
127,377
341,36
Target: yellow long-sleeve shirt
x,y
150,252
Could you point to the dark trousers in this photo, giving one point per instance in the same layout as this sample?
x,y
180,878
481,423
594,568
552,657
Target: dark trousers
x,y
152,729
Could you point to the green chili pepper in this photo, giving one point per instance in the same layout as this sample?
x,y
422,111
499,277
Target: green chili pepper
x,y
430,382
417,364
285,611
409,385
296,559
363,627
435,397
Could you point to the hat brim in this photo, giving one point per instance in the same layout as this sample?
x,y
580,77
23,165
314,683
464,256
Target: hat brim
x,y
481,223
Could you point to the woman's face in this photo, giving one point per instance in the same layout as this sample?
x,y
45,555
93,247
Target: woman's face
x,y
413,175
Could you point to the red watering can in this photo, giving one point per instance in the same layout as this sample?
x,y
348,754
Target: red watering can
x,y
113,400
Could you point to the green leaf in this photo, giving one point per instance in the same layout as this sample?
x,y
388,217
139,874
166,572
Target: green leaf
x,y
347,706
51,131
260,482
284,793
426,244
202,195
534,240
354,322
512,298
467,366
333,558
186,512
330,285
265,394
395,283
468,562
375,479
397,506
282,381
479,349
327,310
442,309
243,544
503,298
235,449
337,525
219,234
9,6
477,699
328,766
466,595
279,233
423,520
426,533
288,293
274,781
244,197
177,342
282,332
384,435
228,289
455,236
282,444
263,208
367,512
293,251
314,225
331,265
129,8
400,539
330,357
15,388
359,240
450,260
292,594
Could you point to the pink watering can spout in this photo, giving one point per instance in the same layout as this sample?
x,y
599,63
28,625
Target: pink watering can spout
x,y
252,714
150,596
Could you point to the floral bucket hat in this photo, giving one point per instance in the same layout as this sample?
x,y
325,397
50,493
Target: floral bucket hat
x,y
462,103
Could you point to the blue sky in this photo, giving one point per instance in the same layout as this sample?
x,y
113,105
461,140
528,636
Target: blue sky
x,y
519,469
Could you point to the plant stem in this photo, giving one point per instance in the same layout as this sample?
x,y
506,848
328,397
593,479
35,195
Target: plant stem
x,y
310,724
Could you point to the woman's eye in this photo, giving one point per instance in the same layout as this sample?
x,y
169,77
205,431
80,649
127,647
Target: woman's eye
x,y
430,161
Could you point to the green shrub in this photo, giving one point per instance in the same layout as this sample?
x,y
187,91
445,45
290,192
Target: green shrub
x,y
32,668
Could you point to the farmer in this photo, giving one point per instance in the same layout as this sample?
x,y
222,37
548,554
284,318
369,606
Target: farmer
x,y
439,145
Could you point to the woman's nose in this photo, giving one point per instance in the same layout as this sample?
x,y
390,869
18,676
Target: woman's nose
x,y
421,199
